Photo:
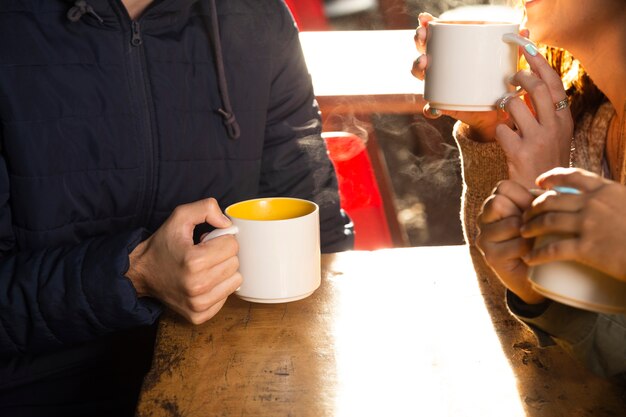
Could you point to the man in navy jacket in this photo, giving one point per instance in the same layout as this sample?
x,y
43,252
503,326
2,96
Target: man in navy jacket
x,y
123,125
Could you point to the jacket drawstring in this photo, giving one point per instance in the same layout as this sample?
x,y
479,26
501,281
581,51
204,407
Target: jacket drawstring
x,y
226,110
80,8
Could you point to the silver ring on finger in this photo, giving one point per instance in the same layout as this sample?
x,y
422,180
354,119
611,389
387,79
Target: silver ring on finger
x,y
503,102
560,105
519,91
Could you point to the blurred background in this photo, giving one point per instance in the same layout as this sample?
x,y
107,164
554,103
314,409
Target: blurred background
x,y
420,154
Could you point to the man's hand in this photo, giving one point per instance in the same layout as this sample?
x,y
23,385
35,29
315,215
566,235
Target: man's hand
x,y
193,280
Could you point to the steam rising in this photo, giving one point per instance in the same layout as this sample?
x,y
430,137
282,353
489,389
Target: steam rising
x,y
437,7
424,167
421,155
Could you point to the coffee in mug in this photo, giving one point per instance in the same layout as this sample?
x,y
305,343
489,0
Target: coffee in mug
x,y
470,64
279,248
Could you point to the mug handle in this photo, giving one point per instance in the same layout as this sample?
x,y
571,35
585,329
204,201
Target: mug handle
x,y
230,230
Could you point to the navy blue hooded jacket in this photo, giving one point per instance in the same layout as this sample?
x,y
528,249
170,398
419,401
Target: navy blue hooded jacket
x,y
106,125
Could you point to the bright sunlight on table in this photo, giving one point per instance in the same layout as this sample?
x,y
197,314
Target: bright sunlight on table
x,y
412,336
389,333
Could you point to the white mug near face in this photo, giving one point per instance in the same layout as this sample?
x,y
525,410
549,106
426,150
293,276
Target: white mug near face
x,y
279,248
470,63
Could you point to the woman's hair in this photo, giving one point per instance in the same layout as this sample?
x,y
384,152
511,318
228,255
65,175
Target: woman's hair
x,y
584,95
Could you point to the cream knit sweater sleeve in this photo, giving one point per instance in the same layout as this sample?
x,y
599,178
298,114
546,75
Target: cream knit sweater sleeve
x,y
483,166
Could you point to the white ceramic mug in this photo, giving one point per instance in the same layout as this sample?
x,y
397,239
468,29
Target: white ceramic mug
x,y
470,63
578,285
279,248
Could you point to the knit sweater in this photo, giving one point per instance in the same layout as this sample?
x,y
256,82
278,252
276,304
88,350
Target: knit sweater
x,y
597,340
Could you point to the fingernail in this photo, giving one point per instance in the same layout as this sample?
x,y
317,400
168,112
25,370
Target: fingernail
x,y
531,49
521,41
417,60
566,190
434,112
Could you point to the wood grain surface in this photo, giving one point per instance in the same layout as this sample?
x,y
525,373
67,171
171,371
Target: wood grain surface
x,y
399,332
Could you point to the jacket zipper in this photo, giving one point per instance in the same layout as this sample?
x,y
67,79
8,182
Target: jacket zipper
x,y
135,40
141,91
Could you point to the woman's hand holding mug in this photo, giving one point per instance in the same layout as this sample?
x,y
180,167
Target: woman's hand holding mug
x,y
563,243
532,124
593,221
501,242
481,123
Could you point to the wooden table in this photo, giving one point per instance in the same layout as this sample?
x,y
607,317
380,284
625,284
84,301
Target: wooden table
x,y
357,74
398,332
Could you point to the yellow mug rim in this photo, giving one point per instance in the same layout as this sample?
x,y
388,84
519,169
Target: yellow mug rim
x,y
276,209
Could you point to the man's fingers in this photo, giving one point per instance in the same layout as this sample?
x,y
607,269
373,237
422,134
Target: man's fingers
x,y
202,308
206,315
187,216
210,266
220,290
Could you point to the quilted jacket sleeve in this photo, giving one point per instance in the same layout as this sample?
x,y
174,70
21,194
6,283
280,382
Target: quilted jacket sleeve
x,y
64,295
295,161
